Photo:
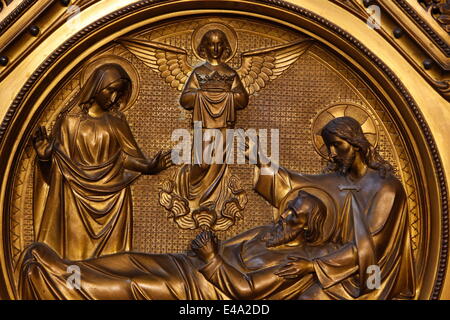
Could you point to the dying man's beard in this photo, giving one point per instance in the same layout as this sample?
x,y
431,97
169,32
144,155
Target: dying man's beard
x,y
280,234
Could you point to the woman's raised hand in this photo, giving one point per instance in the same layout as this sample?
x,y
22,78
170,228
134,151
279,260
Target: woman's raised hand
x,y
42,144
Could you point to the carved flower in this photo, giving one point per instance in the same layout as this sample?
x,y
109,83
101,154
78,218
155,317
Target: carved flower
x,y
180,207
167,186
205,217
165,199
232,209
235,185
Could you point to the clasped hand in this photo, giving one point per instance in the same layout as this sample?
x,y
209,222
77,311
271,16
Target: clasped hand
x,y
205,246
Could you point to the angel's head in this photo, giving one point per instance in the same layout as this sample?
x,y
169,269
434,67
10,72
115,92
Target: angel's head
x,y
214,46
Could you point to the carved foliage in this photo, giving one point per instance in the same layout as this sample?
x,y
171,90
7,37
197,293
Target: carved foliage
x,y
440,10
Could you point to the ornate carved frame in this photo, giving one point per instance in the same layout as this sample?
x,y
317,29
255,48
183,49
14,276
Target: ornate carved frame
x,y
19,120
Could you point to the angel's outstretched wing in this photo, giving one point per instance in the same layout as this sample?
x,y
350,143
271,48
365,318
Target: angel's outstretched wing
x,y
261,66
170,62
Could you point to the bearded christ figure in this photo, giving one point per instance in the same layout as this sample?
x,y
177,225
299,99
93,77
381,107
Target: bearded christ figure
x,y
372,225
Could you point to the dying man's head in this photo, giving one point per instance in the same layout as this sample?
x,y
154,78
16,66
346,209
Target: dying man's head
x,y
302,220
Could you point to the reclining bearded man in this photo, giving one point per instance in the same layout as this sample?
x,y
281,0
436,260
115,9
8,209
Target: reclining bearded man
x,y
244,267
300,232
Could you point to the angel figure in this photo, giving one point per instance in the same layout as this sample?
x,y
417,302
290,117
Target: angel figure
x,y
200,194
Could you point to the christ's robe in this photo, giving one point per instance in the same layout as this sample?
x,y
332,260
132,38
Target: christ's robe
x,y
372,229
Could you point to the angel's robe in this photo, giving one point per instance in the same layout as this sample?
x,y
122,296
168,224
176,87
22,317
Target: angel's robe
x,y
372,229
215,88
82,202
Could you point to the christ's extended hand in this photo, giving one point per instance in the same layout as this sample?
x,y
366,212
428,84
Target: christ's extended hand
x,y
297,267
250,149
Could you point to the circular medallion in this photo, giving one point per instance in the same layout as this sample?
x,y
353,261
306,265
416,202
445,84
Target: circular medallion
x,y
365,119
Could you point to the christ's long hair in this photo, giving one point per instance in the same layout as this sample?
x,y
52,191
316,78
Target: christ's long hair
x,y
350,130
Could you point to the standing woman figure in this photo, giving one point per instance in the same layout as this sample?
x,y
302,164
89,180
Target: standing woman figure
x,y
82,196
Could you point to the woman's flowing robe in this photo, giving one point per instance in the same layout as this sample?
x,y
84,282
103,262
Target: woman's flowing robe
x,y
83,207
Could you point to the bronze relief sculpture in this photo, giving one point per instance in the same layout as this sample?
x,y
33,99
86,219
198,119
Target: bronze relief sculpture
x,y
345,217
328,231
